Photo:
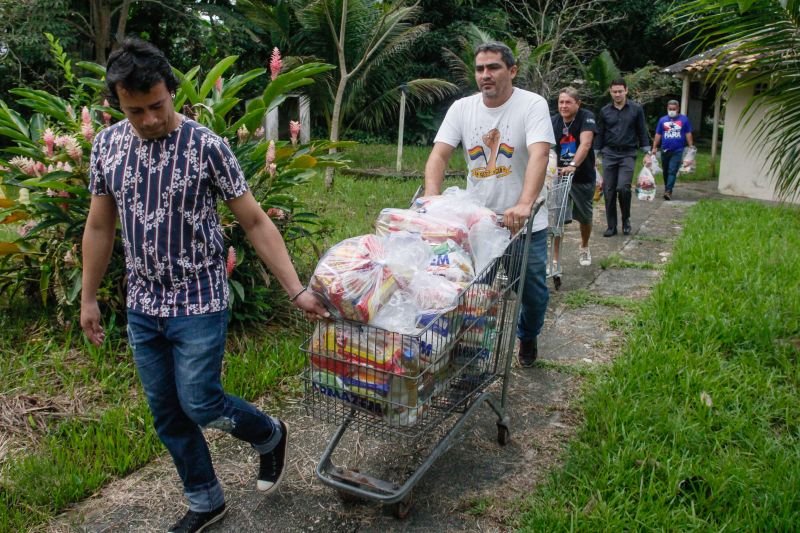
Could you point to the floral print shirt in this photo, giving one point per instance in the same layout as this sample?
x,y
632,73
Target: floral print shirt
x,y
166,191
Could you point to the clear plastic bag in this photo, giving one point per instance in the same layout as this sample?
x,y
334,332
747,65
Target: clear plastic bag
x,y
452,262
431,228
689,162
487,242
456,204
552,170
653,165
598,182
646,185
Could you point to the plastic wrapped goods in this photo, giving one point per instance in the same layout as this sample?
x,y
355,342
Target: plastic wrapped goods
x,y
487,241
353,278
646,185
653,165
456,204
431,228
689,162
451,262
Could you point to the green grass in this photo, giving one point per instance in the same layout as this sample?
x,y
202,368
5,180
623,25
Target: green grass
x,y
110,432
721,328
384,156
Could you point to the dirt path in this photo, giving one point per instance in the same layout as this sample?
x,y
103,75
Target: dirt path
x,y
477,485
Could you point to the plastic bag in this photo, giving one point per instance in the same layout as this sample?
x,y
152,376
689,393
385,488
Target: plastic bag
x,y
431,228
598,183
646,185
455,204
452,262
353,279
487,242
688,163
653,165
552,170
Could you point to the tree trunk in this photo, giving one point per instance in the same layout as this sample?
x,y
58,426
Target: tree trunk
x,y
335,123
100,18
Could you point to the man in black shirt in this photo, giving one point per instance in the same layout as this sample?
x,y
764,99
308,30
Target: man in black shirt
x,y
620,130
574,130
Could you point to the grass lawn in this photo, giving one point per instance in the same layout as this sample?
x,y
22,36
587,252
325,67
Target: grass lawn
x,y
696,426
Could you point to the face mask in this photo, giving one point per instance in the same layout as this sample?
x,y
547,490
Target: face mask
x,y
672,114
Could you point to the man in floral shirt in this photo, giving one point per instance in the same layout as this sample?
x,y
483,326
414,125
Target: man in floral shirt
x,y
161,174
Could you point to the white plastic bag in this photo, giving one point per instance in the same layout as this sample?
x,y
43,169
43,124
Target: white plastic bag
x,y
487,242
654,167
452,262
646,185
455,204
688,163
432,229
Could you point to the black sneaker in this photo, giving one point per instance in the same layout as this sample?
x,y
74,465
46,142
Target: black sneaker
x,y
193,521
528,351
270,471
626,227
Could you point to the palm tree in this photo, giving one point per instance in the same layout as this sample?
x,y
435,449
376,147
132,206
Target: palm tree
x,y
370,42
767,33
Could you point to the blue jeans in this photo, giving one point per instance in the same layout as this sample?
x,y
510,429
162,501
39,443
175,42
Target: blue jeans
x,y
179,360
535,294
670,163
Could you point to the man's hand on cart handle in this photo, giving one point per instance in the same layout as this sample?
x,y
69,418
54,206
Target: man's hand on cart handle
x,y
564,171
514,217
311,306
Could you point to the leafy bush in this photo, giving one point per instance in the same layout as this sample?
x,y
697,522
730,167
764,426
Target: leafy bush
x,y
44,176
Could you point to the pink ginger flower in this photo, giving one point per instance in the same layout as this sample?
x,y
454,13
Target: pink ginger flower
x,y
294,130
226,141
276,213
273,169
86,124
40,169
218,86
106,115
24,164
49,139
71,146
231,261
275,63
70,111
242,133
259,133
63,194
51,193
86,117
271,153
24,230
66,167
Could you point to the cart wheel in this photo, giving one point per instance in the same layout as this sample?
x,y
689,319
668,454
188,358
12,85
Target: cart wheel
x,y
557,282
402,509
503,434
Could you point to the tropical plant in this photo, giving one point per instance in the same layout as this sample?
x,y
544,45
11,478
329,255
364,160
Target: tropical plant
x,y
370,42
758,44
44,173
645,84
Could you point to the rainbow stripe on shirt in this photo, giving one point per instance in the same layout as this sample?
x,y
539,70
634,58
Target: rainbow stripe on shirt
x,y
506,150
476,152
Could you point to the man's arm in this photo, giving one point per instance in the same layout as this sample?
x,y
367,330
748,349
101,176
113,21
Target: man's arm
x,y
98,242
599,139
641,129
435,167
690,139
538,154
587,138
269,245
656,142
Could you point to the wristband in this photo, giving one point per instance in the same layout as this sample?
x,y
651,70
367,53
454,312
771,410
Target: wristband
x,y
293,298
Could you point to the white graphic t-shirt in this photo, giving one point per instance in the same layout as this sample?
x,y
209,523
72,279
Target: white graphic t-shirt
x,y
496,141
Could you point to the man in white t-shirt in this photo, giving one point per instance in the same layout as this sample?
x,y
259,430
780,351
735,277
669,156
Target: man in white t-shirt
x,y
506,133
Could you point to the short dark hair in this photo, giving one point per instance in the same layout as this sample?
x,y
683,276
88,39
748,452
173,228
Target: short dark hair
x,y
674,102
505,52
138,66
618,81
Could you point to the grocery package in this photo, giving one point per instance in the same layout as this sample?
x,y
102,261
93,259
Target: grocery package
x,y
455,204
653,165
552,170
646,185
598,183
487,241
451,261
431,228
374,370
688,163
353,278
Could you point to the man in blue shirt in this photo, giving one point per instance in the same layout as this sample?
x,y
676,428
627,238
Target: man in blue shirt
x,y
676,132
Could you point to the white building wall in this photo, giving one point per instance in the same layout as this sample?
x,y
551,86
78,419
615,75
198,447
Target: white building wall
x,y
743,168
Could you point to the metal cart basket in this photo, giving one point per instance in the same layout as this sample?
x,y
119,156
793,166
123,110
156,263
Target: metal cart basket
x,y
557,199
405,387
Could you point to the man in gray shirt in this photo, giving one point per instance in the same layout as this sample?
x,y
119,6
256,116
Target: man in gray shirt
x,y
620,130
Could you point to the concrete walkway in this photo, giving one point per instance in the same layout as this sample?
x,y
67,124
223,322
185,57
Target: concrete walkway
x,y
477,485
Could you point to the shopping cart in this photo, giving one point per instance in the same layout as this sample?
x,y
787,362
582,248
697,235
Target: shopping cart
x,y
416,389
557,198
